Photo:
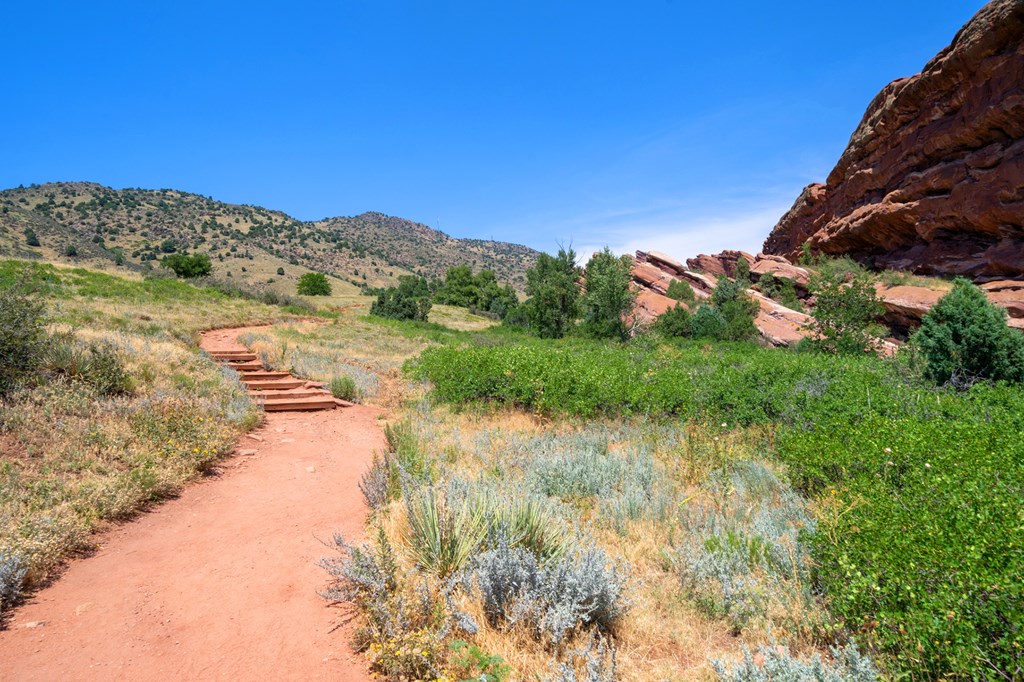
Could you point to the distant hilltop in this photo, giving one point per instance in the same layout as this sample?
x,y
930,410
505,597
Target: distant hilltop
x,y
87,222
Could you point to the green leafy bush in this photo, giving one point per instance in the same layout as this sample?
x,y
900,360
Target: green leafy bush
x,y
680,290
965,337
844,314
188,267
22,336
675,322
708,323
410,300
314,284
344,388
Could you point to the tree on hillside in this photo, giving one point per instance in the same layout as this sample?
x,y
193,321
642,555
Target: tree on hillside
x,y
552,285
459,288
738,310
410,300
188,267
480,291
844,314
314,284
964,337
607,298
680,290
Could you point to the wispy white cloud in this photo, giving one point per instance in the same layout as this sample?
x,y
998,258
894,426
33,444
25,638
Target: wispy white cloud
x,y
675,231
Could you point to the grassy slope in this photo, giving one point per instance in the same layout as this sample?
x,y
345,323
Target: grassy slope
x,y
73,459
370,249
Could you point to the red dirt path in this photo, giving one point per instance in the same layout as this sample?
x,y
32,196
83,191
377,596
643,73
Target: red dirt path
x,y
221,582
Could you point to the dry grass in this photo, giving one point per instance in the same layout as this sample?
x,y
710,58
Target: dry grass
x,y
74,459
664,636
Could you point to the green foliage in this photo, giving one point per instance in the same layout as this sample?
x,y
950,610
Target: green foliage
x,y
607,298
280,272
917,490
675,322
480,292
188,267
314,284
443,530
737,309
964,337
780,289
96,364
22,335
844,314
70,250
681,290
410,300
708,323
742,274
476,665
552,285
344,388
30,237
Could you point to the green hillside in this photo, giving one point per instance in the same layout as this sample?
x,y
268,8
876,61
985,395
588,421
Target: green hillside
x,y
86,223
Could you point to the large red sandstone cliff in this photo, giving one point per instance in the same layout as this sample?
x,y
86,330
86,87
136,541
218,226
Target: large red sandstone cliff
x,y
933,177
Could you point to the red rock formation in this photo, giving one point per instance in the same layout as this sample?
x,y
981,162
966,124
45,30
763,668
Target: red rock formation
x,y
653,272
933,177
781,268
905,305
719,264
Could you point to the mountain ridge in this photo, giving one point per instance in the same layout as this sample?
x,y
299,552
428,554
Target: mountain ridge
x,y
132,227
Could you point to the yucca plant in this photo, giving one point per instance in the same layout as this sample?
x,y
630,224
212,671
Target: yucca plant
x,y
530,524
441,534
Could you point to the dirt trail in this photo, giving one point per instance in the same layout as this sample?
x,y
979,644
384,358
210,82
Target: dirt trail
x,y
221,582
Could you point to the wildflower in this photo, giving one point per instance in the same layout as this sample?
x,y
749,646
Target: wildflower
x,y
927,465
888,450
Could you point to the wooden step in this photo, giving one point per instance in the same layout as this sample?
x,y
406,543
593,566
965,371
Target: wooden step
x,y
247,366
264,375
272,384
291,393
232,355
282,404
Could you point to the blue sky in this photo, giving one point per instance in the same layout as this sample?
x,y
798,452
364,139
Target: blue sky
x,y
661,124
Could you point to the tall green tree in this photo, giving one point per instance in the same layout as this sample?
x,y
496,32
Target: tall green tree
x,y
553,287
410,300
607,298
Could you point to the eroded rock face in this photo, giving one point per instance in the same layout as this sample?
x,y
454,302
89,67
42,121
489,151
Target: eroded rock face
x,y
653,272
933,177
723,263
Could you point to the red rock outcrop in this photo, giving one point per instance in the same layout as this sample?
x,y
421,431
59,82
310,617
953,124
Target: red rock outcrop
x,y
723,263
653,272
905,305
932,179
